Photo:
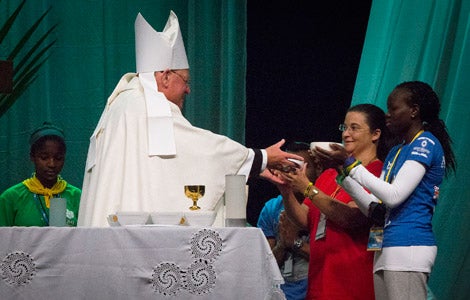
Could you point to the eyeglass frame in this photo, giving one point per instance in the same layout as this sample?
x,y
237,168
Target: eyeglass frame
x,y
186,81
354,128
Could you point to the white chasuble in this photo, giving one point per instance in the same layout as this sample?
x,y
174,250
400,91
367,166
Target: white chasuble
x,y
120,175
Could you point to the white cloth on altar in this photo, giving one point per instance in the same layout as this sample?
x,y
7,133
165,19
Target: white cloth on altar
x,y
123,263
120,175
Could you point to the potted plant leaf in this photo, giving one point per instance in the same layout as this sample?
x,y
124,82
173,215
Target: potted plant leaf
x,y
21,65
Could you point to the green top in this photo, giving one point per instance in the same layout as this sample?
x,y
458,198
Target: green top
x,y
20,207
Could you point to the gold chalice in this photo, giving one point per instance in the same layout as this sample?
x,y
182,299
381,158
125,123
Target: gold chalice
x,y
194,192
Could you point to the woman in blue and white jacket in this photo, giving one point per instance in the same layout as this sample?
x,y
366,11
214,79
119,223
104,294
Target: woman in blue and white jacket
x,y
408,187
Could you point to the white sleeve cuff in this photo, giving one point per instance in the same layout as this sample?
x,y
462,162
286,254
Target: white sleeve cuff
x,y
265,160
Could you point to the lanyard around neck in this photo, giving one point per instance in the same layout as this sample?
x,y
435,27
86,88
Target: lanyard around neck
x,y
41,209
396,156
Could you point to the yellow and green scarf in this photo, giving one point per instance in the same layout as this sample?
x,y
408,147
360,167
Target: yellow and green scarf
x,y
35,186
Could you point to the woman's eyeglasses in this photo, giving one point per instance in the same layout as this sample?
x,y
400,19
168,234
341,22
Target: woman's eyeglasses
x,y
352,128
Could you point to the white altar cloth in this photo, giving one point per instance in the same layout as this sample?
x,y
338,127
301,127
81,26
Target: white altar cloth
x,y
137,262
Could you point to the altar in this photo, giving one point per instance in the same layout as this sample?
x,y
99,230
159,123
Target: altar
x,y
137,262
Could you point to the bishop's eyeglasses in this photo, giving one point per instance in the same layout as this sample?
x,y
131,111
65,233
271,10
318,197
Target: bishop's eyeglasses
x,y
186,81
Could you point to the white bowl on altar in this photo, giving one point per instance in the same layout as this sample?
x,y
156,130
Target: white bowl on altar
x,y
130,218
200,217
168,218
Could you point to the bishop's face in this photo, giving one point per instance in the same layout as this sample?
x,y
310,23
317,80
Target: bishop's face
x,y
178,86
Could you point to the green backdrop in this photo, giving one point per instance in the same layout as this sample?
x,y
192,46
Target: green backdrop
x,y
95,47
429,40
406,39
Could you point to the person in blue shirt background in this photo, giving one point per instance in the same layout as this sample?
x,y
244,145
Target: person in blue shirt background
x,y
290,244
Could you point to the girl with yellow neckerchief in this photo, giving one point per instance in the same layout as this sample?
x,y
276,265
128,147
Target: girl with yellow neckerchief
x,y
27,203
409,188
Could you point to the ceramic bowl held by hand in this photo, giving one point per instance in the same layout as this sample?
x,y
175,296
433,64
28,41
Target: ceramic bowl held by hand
x,y
323,145
299,163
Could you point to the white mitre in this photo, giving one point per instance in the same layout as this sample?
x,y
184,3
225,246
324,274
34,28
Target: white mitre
x,y
158,51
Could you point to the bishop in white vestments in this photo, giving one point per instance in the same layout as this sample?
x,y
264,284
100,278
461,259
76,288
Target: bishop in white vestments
x,y
143,151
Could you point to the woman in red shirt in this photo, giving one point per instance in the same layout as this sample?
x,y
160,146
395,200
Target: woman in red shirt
x,y
340,265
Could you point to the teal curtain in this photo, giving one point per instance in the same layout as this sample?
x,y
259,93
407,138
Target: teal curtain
x,y
95,47
429,40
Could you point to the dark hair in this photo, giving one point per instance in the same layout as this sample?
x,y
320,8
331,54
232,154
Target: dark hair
x,y
39,143
297,146
423,95
46,132
375,119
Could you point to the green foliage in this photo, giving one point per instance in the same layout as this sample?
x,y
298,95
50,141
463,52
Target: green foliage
x,y
26,62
